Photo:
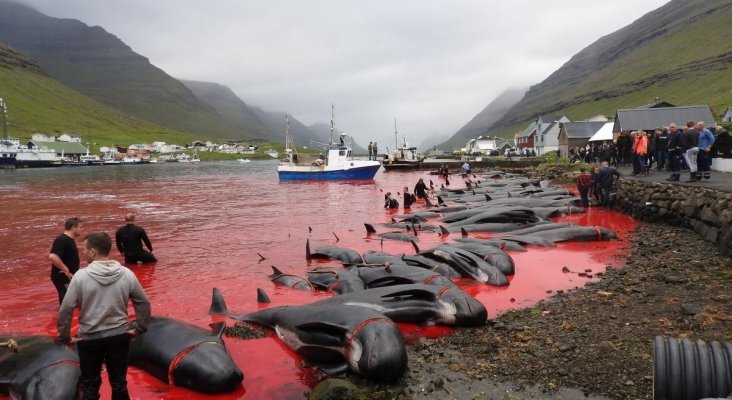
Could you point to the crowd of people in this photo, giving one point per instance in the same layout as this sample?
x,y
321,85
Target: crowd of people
x,y
101,291
670,148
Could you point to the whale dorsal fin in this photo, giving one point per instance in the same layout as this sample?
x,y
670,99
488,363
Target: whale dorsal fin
x,y
262,296
218,305
369,228
275,273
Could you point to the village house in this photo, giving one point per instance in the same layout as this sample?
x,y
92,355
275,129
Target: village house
x,y
648,119
487,146
42,137
68,137
70,150
525,138
577,134
547,133
727,116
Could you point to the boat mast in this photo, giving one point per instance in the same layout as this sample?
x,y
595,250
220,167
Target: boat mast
x,y
4,112
396,139
332,122
289,141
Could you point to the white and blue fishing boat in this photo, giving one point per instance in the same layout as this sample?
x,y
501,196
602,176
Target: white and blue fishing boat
x,y
335,163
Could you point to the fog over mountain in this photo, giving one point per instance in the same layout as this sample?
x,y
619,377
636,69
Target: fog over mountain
x,y
431,65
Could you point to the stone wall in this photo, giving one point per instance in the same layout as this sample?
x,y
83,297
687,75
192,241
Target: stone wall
x,y
707,212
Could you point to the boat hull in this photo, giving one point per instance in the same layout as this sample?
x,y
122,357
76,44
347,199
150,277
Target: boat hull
x,y
293,173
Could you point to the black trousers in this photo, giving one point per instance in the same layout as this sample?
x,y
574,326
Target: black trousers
x,y
112,351
144,257
61,282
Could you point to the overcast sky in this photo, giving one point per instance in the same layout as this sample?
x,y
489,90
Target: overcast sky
x,y
432,65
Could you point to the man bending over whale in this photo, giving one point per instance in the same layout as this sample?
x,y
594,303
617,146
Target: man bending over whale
x,y
129,240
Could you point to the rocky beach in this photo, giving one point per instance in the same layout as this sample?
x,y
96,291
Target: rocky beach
x,y
594,342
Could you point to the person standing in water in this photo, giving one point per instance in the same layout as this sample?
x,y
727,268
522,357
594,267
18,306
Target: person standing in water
x,y
130,238
64,256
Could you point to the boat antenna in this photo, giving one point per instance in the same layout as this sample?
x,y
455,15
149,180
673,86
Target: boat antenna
x,y
4,112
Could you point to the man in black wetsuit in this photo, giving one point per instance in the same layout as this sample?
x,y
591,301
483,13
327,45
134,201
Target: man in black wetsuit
x,y
129,240
64,256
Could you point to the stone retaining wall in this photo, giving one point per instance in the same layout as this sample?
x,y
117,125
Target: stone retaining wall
x,y
707,212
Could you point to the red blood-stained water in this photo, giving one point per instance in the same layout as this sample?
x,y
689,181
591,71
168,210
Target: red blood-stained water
x,y
209,223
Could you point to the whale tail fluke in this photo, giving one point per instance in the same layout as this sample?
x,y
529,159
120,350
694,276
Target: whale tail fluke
x,y
261,257
337,238
262,296
414,244
218,305
369,228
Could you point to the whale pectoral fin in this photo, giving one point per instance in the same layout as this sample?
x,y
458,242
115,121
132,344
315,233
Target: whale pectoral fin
x,y
333,369
323,327
217,329
410,293
390,281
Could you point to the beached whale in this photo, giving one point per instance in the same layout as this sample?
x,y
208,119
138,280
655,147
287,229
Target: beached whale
x,y
291,281
339,337
183,354
346,256
390,275
576,234
337,280
417,303
468,264
38,368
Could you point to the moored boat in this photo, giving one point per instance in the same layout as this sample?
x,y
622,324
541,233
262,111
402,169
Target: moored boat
x,y
335,163
404,156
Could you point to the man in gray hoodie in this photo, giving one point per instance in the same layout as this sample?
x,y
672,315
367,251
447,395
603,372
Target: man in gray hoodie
x,y
101,291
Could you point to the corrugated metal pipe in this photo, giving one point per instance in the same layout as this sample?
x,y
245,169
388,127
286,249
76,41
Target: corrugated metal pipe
x,y
688,370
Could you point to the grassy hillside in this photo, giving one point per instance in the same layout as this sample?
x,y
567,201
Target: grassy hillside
x,y
680,53
37,103
98,64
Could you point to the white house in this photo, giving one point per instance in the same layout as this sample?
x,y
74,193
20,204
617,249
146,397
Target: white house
x,y
67,137
42,137
727,116
547,133
485,145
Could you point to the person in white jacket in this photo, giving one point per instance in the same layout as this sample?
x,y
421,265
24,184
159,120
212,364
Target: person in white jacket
x,y
101,291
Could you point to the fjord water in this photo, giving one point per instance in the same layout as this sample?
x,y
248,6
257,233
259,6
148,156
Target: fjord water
x,y
224,224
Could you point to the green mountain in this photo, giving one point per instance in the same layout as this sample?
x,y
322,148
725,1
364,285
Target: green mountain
x,y
98,64
38,103
680,53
